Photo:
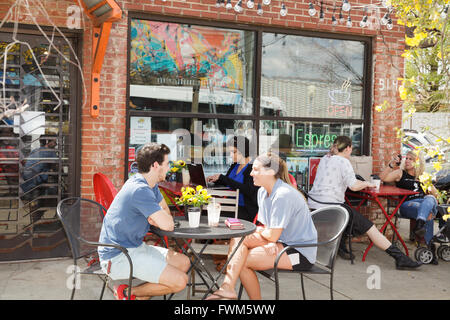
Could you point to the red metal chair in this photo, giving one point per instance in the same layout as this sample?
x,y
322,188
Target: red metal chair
x,y
293,181
104,190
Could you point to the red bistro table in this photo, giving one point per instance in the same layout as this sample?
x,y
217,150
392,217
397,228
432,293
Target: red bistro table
x,y
388,192
172,190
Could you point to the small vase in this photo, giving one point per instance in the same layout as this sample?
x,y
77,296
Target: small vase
x,y
186,179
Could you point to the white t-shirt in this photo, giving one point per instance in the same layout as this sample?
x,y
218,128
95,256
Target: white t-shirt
x,y
334,175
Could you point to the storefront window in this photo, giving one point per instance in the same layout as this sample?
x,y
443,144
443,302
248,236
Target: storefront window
x,y
311,90
302,144
311,77
190,139
187,68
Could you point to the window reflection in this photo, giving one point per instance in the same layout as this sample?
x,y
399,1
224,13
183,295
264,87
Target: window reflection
x,y
311,77
302,144
186,68
189,139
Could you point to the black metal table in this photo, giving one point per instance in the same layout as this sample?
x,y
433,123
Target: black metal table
x,y
204,232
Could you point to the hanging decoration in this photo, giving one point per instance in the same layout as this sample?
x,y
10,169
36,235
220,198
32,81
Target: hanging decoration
x,y
376,14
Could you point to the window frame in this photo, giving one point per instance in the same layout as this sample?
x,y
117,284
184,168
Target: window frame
x,y
255,116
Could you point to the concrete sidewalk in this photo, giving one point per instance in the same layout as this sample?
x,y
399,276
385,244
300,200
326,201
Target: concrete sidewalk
x,y
47,280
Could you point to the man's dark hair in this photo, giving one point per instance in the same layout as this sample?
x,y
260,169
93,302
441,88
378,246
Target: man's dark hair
x,y
238,142
149,154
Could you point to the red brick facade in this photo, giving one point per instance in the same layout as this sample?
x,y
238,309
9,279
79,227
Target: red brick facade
x,y
103,138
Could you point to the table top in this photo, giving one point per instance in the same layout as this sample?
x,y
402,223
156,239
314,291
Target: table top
x,y
172,186
204,231
388,191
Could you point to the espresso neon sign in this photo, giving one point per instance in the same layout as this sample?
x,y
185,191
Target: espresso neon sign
x,y
313,140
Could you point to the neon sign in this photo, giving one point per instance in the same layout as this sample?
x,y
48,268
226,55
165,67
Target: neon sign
x,y
313,140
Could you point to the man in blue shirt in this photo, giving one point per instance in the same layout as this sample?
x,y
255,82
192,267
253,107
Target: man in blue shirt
x,y
137,205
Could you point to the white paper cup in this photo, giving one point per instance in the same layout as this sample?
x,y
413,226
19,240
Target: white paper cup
x,y
377,183
213,214
194,219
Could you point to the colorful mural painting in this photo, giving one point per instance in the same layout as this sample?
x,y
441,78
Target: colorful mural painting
x,y
163,52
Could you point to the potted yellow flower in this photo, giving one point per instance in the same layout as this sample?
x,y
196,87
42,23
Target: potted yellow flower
x,y
176,169
193,198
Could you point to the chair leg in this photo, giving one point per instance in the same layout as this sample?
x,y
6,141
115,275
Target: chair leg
x,y
74,274
241,287
303,286
103,290
331,285
350,248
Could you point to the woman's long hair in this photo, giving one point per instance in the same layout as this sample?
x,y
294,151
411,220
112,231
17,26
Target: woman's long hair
x,y
419,166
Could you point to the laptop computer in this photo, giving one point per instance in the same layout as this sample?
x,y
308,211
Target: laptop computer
x,y
197,174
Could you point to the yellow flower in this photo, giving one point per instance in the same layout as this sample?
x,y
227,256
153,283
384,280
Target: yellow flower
x,y
174,169
199,188
403,93
424,178
437,166
379,108
445,218
181,163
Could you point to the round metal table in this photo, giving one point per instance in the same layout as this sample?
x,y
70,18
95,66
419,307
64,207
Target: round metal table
x,y
205,232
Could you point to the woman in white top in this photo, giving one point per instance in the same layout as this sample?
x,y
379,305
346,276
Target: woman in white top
x,y
334,175
286,218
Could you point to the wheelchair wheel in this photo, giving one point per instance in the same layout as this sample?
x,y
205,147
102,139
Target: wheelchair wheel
x,y
443,252
423,255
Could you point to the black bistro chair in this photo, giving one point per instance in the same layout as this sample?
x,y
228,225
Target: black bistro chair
x,y
83,237
330,223
349,231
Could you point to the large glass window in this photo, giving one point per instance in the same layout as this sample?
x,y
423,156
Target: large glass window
x,y
187,68
310,90
311,77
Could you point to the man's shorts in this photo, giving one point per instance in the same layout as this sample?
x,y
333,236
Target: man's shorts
x,y
148,263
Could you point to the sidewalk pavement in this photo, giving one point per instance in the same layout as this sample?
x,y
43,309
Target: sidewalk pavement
x,y
47,280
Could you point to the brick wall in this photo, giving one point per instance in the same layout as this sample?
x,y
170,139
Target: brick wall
x,y
103,138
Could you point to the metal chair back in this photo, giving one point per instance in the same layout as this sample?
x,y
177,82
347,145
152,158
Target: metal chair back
x,y
330,223
71,211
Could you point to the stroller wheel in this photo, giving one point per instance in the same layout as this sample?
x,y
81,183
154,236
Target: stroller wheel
x,y
423,255
443,252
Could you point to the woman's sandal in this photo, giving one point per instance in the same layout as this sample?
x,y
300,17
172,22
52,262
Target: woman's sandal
x,y
217,296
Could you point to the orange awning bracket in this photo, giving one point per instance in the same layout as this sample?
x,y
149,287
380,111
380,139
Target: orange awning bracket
x,y
102,13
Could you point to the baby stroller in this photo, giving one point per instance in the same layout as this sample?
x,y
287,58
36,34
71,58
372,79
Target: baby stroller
x,y
424,254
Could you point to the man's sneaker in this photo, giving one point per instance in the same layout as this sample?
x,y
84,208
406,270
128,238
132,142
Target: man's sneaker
x,y
120,293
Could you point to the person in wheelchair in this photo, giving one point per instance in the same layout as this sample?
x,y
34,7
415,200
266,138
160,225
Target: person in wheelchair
x,y
334,175
422,207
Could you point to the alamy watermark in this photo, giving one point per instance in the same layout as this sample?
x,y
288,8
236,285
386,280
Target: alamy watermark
x,y
374,280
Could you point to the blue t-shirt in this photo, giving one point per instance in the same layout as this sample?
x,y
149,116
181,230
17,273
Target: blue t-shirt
x,y
238,177
126,222
287,209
